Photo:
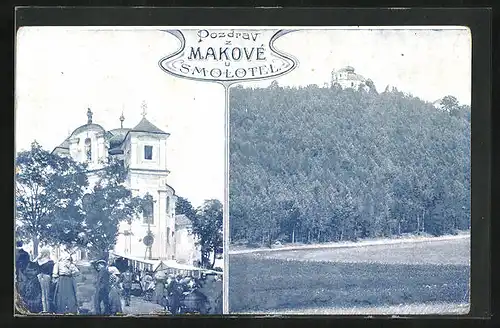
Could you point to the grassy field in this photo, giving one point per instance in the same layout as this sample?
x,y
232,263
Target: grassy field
x,y
455,252
362,277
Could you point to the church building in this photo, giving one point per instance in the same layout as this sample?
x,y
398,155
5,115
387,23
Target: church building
x,y
347,78
143,150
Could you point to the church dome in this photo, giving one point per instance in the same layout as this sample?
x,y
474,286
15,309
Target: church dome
x,y
117,136
348,69
88,127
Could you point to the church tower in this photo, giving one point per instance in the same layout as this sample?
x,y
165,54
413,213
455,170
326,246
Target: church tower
x,y
145,158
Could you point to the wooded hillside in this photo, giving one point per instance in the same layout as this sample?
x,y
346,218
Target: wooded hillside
x,y
315,164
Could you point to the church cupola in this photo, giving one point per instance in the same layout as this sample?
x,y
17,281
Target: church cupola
x,y
148,146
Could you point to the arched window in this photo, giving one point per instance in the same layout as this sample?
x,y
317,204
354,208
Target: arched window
x,y
168,206
88,149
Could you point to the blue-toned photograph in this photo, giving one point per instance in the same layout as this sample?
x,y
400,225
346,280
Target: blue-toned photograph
x,y
119,181
349,177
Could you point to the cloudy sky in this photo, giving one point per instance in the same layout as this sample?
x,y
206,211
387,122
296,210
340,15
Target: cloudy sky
x,y
62,71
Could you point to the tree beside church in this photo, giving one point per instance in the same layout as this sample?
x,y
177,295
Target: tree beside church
x,y
139,158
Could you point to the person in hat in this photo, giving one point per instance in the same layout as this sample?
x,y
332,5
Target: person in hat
x,y
102,288
64,274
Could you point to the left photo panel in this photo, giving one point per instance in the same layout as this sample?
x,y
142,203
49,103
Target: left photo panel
x,y
119,177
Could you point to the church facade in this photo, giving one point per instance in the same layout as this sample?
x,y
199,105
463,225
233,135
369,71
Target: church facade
x,y
143,152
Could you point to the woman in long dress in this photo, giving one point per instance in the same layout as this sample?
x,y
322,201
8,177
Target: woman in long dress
x,y
46,266
65,292
115,302
31,293
159,294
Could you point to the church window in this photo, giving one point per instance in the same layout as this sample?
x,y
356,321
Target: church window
x,y
168,235
168,205
88,149
148,152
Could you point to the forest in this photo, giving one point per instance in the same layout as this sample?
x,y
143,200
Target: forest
x,y
322,164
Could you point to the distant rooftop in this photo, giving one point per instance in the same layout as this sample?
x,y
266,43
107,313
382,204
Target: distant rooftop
x,y
182,220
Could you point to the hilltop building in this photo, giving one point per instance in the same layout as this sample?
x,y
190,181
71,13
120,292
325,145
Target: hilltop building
x,y
347,78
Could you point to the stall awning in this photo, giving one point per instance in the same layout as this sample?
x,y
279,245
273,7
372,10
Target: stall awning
x,y
169,265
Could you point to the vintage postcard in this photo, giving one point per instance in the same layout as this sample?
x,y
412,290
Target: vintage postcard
x,y
349,188
119,176
243,170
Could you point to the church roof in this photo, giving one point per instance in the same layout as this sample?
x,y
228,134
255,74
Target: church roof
x,y
356,77
117,136
182,220
146,126
347,69
64,145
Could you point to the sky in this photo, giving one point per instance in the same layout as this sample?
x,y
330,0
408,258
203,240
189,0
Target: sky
x,y
62,71
429,64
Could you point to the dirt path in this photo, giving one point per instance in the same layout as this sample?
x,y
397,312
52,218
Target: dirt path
x,y
138,306
380,242
401,310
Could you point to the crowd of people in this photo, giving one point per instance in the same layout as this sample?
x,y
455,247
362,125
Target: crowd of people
x,y
187,294
45,286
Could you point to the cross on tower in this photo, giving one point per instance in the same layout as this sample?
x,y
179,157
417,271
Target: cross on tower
x,y
144,107
122,118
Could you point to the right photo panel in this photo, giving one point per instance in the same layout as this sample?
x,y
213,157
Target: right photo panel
x,y
349,177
